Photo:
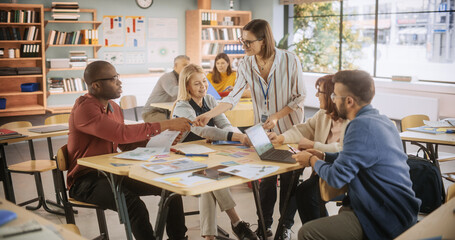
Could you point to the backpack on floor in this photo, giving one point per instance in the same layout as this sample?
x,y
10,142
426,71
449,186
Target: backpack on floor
x,y
426,183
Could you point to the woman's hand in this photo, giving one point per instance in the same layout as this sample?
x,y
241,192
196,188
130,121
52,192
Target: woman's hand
x,y
275,139
245,140
270,122
306,143
202,120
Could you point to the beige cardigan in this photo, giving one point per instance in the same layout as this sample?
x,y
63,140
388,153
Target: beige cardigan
x,y
317,129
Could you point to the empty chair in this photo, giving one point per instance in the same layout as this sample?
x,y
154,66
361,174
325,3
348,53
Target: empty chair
x,y
57,119
129,102
32,167
413,121
68,203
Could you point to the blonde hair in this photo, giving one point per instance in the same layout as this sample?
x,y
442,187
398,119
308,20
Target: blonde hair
x,y
184,78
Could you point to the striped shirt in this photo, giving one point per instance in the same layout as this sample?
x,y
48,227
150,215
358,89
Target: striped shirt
x,y
285,88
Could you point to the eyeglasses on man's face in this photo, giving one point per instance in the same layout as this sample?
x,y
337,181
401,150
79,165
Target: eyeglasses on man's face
x,y
333,97
247,43
114,78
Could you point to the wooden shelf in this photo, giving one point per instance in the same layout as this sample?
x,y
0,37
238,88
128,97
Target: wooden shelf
x,y
230,55
66,93
97,47
65,69
22,76
21,59
19,24
21,93
219,26
22,110
221,41
96,24
62,109
19,41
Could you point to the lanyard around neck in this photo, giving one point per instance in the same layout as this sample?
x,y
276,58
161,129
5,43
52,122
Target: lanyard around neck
x,y
266,94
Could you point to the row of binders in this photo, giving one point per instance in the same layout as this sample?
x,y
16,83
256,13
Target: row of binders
x,y
59,84
84,36
221,34
19,16
30,50
65,11
215,48
13,33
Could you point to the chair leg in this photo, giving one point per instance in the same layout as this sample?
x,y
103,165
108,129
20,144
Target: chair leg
x,y
41,197
69,213
102,224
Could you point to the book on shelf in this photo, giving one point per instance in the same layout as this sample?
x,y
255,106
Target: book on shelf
x,y
84,36
60,84
65,11
19,16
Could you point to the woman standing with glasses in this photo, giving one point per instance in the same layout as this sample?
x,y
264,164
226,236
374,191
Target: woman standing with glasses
x,y
324,131
276,82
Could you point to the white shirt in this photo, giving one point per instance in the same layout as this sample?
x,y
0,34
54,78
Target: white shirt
x,y
285,88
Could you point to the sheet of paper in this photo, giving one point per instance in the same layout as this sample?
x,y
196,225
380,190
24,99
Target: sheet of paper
x,y
141,154
250,171
179,165
184,180
194,148
113,31
135,31
164,139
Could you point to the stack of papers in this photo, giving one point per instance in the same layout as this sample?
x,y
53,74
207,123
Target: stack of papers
x,y
442,123
179,165
432,130
250,171
141,153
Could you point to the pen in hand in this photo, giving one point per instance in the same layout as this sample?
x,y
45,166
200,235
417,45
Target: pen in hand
x,y
175,116
292,149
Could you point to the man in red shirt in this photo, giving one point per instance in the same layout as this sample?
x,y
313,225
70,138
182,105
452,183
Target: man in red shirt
x,y
96,127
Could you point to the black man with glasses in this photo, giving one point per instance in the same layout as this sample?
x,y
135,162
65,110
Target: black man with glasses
x,y
96,127
275,79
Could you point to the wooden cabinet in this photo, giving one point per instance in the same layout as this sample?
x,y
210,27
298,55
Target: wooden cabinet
x,y
87,21
18,102
209,32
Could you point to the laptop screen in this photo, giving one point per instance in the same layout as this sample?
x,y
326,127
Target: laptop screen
x,y
259,139
211,90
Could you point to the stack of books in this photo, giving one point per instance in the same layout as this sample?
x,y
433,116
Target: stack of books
x,y
65,11
78,59
7,134
55,85
60,84
19,16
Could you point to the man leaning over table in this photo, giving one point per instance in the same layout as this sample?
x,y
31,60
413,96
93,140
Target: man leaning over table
x,y
96,127
165,90
380,203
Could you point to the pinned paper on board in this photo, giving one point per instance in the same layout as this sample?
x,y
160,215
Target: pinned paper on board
x,y
135,58
115,58
160,28
163,51
135,31
113,31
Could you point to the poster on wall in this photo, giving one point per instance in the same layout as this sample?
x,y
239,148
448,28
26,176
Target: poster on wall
x,y
135,58
115,58
162,51
163,28
135,31
113,31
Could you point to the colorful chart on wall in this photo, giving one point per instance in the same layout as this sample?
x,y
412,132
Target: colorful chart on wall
x,y
135,31
163,28
114,57
113,31
162,51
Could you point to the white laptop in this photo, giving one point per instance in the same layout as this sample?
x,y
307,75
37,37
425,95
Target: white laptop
x,y
264,147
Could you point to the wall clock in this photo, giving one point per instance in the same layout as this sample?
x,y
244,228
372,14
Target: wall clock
x,y
144,3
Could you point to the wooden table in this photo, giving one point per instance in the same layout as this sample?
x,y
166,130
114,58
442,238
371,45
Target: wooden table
x,y
5,175
437,225
137,172
24,216
429,140
241,116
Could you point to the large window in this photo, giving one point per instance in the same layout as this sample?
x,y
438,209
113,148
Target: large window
x,y
383,37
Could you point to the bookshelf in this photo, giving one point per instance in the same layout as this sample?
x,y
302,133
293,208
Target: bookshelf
x,y
207,34
30,19
88,18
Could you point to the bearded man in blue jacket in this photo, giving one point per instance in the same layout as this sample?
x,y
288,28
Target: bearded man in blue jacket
x,y
380,202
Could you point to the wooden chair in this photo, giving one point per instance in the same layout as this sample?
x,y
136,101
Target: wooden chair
x,y
69,203
56,119
71,227
129,102
450,192
35,168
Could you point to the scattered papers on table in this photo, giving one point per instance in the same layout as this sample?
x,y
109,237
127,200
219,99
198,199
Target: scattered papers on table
x,y
164,139
179,165
441,123
250,171
194,149
183,180
425,129
141,154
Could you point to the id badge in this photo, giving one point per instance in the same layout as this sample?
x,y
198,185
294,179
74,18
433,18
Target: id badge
x,y
264,118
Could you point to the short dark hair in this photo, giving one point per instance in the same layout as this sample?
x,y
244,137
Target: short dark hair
x,y
358,82
262,30
93,69
327,88
216,75
181,56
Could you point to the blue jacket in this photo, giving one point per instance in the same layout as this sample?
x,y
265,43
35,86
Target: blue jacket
x,y
373,164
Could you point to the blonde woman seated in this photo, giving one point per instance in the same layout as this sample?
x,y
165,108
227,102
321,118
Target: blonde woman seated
x,y
324,131
192,101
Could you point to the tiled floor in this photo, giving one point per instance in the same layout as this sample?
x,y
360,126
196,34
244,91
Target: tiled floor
x,y
24,187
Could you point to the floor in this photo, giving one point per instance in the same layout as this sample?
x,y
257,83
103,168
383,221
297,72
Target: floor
x,y
24,187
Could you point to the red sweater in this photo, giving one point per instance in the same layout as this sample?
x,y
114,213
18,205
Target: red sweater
x,y
95,131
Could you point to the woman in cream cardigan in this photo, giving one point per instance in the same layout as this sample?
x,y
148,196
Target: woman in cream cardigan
x,y
324,131
192,101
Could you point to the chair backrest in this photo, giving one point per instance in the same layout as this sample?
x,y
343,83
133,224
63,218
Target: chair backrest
x,y
56,119
413,121
450,192
128,102
62,158
17,124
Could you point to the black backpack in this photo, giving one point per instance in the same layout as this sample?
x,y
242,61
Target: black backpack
x,y
426,183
